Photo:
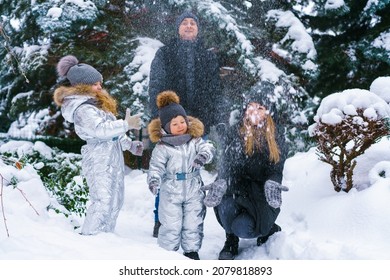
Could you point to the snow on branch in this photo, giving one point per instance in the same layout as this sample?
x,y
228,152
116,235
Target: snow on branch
x,y
19,166
346,125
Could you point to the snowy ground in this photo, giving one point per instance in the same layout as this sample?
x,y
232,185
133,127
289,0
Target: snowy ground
x,y
318,223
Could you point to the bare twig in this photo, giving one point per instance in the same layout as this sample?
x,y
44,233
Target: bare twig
x,y
2,206
340,145
19,166
24,195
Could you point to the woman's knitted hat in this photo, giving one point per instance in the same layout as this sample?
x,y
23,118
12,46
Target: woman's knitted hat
x,y
262,94
169,108
78,73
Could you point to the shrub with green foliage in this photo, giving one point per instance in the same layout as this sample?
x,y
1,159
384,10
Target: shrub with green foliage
x,y
60,174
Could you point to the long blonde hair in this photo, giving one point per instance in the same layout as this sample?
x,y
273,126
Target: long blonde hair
x,y
107,102
255,136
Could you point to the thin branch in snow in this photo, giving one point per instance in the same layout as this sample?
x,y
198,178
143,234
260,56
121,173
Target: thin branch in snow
x,y
2,205
19,166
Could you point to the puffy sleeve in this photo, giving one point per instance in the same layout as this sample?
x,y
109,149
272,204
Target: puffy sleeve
x,y
157,164
93,122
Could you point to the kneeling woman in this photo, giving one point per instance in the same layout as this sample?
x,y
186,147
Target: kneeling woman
x,y
252,165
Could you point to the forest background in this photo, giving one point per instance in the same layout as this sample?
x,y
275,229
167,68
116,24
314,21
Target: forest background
x,y
316,47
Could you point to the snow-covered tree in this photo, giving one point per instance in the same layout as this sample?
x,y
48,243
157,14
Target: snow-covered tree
x,y
37,34
351,39
261,46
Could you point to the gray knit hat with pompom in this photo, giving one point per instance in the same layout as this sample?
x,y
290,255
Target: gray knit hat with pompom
x,y
78,73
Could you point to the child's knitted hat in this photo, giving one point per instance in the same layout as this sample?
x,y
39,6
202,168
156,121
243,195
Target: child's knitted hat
x,y
169,108
78,73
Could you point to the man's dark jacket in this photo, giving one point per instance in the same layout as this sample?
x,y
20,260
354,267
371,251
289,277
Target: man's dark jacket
x,y
193,73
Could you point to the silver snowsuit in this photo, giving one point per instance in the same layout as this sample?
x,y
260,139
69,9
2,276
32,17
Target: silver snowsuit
x,y
102,156
181,209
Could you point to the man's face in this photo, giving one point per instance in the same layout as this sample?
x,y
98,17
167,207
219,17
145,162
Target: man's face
x,y
188,29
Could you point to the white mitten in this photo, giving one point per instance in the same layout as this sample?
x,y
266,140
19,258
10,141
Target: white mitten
x,y
135,121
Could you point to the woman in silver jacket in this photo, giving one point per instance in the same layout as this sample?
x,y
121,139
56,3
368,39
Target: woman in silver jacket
x,y
93,110
174,171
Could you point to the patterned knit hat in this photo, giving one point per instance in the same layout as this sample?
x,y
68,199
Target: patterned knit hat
x,y
78,73
169,108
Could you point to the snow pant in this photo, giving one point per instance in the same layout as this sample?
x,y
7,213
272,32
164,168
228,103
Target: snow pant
x,y
237,220
104,172
182,219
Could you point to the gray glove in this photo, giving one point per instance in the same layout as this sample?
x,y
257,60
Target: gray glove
x,y
199,161
134,122
273,193
154,187
136,148
215,192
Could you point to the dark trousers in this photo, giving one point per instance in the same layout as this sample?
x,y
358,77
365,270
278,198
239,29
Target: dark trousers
x,y
156,203
234,219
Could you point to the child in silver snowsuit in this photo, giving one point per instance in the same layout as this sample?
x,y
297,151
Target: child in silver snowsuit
x,y
174,171
93,110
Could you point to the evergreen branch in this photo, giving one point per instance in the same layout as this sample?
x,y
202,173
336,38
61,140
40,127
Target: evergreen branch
x,y
8,49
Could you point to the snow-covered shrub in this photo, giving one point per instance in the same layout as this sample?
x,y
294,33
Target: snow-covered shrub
x,y
346,124
59,172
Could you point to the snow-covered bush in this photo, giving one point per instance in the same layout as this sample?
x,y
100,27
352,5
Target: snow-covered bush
x,y
59,172
346,124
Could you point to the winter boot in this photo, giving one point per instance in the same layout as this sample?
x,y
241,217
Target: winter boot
x,y
192,255
230,250
262,239
156,228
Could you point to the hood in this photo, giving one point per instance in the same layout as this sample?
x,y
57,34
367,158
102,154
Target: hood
x,y
195,129
62,92
70,98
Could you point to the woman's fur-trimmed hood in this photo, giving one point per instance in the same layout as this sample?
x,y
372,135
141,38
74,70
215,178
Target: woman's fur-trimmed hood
x,y
195,129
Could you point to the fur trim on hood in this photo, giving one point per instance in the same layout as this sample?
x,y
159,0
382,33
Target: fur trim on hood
x,y
195,129
103,99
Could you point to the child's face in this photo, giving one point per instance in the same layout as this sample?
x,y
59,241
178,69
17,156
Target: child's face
x,y
97,86
178,125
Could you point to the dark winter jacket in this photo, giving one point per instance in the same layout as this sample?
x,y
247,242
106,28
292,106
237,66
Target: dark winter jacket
x,y
246,175
193,73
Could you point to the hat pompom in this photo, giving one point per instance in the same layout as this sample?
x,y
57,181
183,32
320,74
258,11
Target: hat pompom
x,y
65,64
167,97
